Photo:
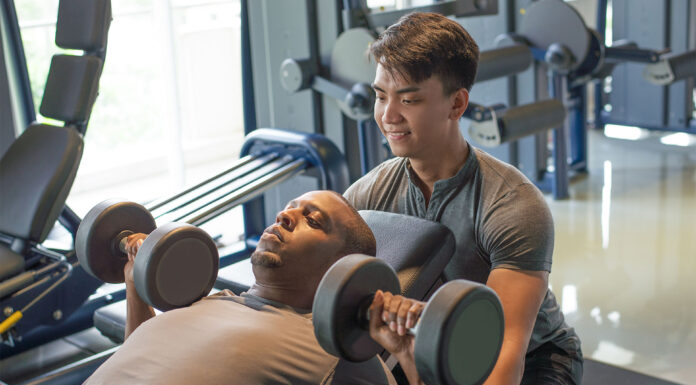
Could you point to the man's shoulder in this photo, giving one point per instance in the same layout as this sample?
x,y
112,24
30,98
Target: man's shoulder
x,y
389,166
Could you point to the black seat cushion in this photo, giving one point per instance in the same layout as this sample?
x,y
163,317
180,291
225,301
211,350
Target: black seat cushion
x,y
71,87
416,248
83,24
36,174
11,263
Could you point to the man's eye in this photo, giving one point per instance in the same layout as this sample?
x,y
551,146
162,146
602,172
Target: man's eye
x,y
311,222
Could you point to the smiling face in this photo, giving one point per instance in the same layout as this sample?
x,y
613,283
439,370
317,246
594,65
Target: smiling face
x,y
418,119
307,237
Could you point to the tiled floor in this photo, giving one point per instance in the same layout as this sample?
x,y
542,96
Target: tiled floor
x,y
625,256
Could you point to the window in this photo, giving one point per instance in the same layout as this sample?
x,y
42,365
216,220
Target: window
x,y
169,111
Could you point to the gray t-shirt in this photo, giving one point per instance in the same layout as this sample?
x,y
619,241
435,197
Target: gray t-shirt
x,y
229,339
498,217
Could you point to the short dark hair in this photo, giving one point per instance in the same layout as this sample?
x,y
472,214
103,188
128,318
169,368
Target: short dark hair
x,y
359,238
421,45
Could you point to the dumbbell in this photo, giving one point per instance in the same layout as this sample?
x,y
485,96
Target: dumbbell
x,y
458,336
176,265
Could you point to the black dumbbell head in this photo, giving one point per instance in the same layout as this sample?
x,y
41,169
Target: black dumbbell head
x,y
459,335
96,242
176,265
340,296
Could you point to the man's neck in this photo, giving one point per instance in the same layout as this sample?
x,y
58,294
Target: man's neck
x,y
298,298
441,164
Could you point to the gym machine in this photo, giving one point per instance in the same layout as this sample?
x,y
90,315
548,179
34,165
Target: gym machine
x,y
41,287
665,74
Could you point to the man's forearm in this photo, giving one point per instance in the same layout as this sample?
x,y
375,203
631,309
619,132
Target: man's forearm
x,y
508,369
408,365
137,311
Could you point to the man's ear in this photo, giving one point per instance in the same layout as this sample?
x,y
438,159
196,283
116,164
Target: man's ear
x,y
460,101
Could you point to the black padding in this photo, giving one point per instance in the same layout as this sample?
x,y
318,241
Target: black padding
x,y
521,121
110,320
683,65
71,87
416,248
36,174
11,263
83,24
504,61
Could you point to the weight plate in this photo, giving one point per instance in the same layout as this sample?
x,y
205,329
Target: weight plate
x,y
552,21
96,245
459,334
339,297
175,266
351,64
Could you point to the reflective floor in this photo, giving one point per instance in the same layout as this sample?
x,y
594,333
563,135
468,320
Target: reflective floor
x,y
625,256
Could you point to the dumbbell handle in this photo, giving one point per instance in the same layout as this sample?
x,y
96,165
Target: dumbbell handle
x,y
121,241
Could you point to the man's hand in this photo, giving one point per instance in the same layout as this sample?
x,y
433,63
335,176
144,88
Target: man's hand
x,y
137,310
390,318
134,241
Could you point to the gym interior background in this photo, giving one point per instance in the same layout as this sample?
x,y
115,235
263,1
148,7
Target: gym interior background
x,y
184,81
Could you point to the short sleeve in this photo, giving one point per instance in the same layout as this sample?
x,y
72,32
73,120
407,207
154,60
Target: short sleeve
x,y
518,231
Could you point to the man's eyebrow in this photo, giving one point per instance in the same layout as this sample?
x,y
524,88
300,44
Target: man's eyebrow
x,y
324,217
401,91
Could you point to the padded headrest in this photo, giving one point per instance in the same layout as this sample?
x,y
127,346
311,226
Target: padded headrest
x,y
71,87
416,248
83,24
36,174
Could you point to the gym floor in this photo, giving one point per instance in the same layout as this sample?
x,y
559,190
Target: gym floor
x,y
623,263
625,255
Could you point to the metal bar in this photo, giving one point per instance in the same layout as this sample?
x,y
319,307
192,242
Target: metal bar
x,y
329,88
74,373
221,193
559,187
249,192
241,162
631,54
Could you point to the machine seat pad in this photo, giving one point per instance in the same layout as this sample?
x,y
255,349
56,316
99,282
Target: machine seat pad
x,y
110,320
416,248
11,263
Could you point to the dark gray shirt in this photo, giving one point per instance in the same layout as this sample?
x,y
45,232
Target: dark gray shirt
x,y
498,217
229,339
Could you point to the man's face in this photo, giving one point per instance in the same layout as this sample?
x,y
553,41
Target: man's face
x,y
414,117
306,237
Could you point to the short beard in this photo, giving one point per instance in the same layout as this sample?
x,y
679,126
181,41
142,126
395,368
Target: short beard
x,y
261,258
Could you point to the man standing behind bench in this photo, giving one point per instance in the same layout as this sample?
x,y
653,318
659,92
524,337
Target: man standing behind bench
x,y
426,65
263,336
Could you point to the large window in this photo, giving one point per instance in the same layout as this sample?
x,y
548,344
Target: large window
x,y
169,110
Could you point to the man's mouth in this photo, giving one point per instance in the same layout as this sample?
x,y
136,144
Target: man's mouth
x,y
274,230
397,134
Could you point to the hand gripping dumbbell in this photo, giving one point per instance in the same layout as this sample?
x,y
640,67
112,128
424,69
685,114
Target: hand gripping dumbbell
x,y
176,265
458,336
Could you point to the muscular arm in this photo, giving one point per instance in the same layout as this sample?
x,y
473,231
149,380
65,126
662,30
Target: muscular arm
x,y
137,311
521,293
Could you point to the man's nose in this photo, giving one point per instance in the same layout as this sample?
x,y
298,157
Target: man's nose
x,y
286,220
391,113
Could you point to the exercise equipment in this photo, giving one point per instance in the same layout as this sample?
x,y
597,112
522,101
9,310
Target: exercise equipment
x,y
268,157
39,286
175,266
458,336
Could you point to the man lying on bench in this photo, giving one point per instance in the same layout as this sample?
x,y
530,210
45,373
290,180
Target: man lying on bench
x,y
266,334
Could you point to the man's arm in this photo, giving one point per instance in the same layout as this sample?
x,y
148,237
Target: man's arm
x,y
390,317
137,311
521,293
